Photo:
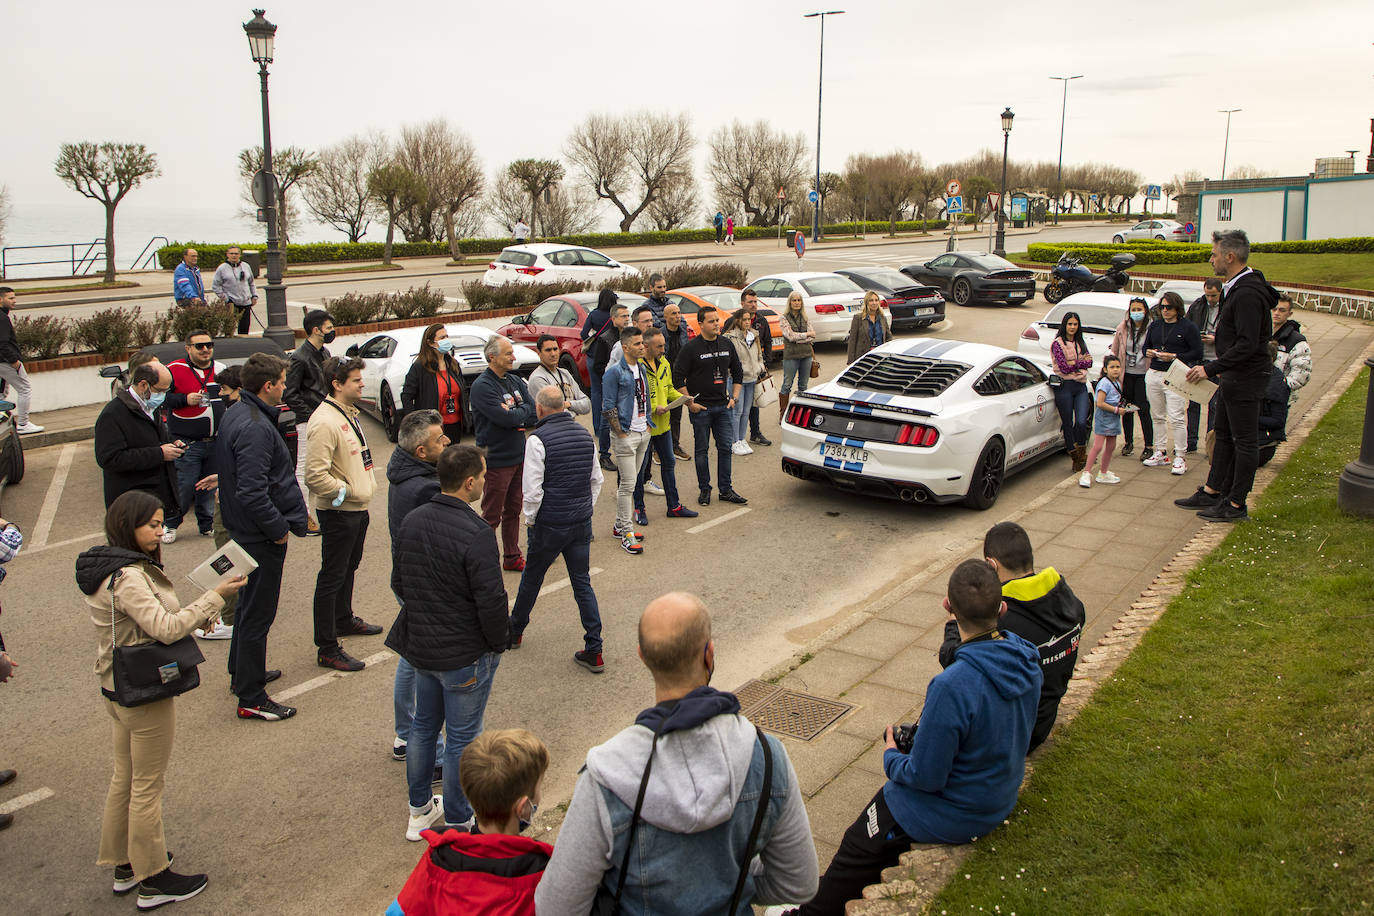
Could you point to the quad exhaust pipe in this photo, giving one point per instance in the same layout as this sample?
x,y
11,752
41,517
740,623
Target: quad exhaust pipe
x,y
910,495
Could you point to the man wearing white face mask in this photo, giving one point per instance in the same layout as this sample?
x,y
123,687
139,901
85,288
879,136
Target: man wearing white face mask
x,y
132,445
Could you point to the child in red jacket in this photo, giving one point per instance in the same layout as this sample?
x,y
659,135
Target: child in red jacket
x,y
491,871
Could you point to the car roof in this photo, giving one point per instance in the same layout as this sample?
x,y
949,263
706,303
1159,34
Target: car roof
x,y
698,290
1107,300
541,247
796,275
587,298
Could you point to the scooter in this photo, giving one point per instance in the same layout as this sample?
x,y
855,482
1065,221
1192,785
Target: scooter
x,y
1069,276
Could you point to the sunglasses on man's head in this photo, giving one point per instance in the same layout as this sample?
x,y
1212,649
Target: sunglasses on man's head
x,y
204,346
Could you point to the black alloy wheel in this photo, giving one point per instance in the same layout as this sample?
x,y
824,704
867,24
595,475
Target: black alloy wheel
x,y
963,291
988,476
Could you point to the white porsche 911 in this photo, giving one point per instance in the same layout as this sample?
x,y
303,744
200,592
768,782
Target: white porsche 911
x,y
924,420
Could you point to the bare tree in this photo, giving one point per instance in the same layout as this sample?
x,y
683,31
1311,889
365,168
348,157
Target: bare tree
x,y
292,164
831,183
506,201
447,163
394,188
891,181
1245,170
747,165
674,206
336,191
536,176
632,159
930,184
1174,187
105,172
568,212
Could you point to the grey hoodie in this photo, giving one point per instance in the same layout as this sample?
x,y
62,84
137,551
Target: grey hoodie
x,y
698,776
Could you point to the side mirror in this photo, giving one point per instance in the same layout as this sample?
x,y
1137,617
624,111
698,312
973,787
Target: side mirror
x,y
351,351
520,319
111,371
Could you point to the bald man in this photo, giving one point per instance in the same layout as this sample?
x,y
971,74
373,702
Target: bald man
x,y
132,445
706,757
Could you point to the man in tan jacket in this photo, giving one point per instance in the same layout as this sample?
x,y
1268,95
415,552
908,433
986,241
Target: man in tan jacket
x,y
338,473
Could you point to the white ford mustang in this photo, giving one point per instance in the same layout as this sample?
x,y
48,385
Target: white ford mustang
x,y
924,420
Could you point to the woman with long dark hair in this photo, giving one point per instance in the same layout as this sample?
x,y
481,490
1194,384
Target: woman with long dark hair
x,y
132,602
1128,345
1069,351
435,382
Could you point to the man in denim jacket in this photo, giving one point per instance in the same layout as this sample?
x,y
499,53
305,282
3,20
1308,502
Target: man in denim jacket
x,y
700,800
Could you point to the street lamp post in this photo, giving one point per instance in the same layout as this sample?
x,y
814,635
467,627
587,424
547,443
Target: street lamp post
x,y
820,88
1059,176
1226,147
1000,249
261,36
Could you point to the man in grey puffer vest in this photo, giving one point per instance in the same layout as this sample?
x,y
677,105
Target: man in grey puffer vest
x,y
561,483
700,798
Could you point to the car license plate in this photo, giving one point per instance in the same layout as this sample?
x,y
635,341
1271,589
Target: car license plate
x,y
920,312
844,452
1020,294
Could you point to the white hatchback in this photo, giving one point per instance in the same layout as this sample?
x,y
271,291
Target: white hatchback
x,y
828,299
549,263
1099,313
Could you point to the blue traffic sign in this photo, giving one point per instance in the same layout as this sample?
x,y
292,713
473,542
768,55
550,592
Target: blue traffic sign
x,y
1153,192
1189,228
813,197
956,204
800,244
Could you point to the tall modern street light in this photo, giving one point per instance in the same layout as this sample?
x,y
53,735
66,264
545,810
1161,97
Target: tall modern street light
x,y
1000,249
820,88
1064,110
1226,147
261,35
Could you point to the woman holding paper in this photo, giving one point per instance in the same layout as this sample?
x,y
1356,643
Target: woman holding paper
x,y
1168,338
132,601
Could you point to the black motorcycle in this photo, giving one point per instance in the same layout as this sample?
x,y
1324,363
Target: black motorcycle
x,y
1069,276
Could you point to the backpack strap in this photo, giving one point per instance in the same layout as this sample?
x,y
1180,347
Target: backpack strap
x,y
634,821
758,821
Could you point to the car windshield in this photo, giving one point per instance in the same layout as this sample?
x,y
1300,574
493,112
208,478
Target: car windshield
x,y
725,299
1097,319
829,286
523,258
889,278
990,262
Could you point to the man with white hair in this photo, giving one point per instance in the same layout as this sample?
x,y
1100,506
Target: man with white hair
x,y
502,410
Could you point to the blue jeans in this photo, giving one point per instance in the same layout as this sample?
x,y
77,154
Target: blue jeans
x,y
800,369
717,421
599,425
403,704
544,544
740,412
456,700
662,445
1072,400
195,463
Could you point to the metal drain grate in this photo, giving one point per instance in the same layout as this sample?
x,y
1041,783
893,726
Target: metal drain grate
x,y
788,712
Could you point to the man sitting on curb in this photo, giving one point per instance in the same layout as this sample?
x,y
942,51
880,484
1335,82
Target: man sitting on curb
x,y
961,777
1040,608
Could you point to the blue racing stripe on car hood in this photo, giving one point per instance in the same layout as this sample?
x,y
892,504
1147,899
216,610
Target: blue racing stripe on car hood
x,y
941,348
920,346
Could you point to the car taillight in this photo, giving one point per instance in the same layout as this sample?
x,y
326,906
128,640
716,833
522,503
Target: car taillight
x,y
799,416
889,303
829,308
530,271
918,435
1030,333
491,266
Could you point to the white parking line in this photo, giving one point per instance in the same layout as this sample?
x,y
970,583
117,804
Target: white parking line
x,y
48,513
564,583
716,521
323,679
67,543
23,801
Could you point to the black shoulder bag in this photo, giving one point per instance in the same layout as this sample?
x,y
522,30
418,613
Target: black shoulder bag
x,y
152,671
608,905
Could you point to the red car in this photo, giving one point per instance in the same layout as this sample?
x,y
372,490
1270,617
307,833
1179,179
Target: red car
x,y
563,317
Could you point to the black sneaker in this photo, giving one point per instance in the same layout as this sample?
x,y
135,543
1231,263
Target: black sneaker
x,y
1224,512
339,660
1200,499
269,710
169,887
606,463
758,439
704,497
590,660
124,880
730,496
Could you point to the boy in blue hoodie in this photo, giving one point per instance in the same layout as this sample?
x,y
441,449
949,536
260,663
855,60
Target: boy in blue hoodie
x,y
961,777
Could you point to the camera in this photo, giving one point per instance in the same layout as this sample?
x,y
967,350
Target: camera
x,y
903,735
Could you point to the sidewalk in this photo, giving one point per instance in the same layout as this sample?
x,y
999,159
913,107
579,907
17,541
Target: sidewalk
x,y
1110,543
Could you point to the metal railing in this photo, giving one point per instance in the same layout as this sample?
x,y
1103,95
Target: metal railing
x,y
148,256
81,257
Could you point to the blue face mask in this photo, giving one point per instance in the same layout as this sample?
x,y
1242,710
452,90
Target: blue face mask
x,y
1137,316
445,345
155,399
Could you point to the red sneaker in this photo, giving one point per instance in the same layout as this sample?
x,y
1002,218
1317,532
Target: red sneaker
x,y
515,565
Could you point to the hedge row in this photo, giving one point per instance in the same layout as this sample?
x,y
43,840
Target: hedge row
x,y
363,308
1100,253
1318,246
213,255
113,332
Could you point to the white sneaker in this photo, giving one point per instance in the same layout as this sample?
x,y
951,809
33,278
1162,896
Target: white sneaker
x,y
423,821
28,428
653,488
741,448
218,631
169,536
1157,460
1107,477
1180,466
781,909
1085,479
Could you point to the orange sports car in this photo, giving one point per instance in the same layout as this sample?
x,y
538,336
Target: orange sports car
x,y
725,298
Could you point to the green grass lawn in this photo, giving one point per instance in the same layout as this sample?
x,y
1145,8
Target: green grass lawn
x,y
1228,765
1354,270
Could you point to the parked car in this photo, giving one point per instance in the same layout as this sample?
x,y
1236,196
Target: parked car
x,y
563,317
828,298
726,298
909,304
11,445
1100,314
387,358
548,263
1164,230
967,277
924,420
1189,290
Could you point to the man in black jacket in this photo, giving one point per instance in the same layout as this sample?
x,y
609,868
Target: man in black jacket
x,y
1040,608
306,388
675,337
132,445
600,333
261,505
1242,369
453,627
12,367
708,368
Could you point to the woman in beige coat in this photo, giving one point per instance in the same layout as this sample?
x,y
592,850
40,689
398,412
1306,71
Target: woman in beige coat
x,y
124,582
870,327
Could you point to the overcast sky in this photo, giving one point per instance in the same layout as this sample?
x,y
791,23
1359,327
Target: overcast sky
x,y
932,77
